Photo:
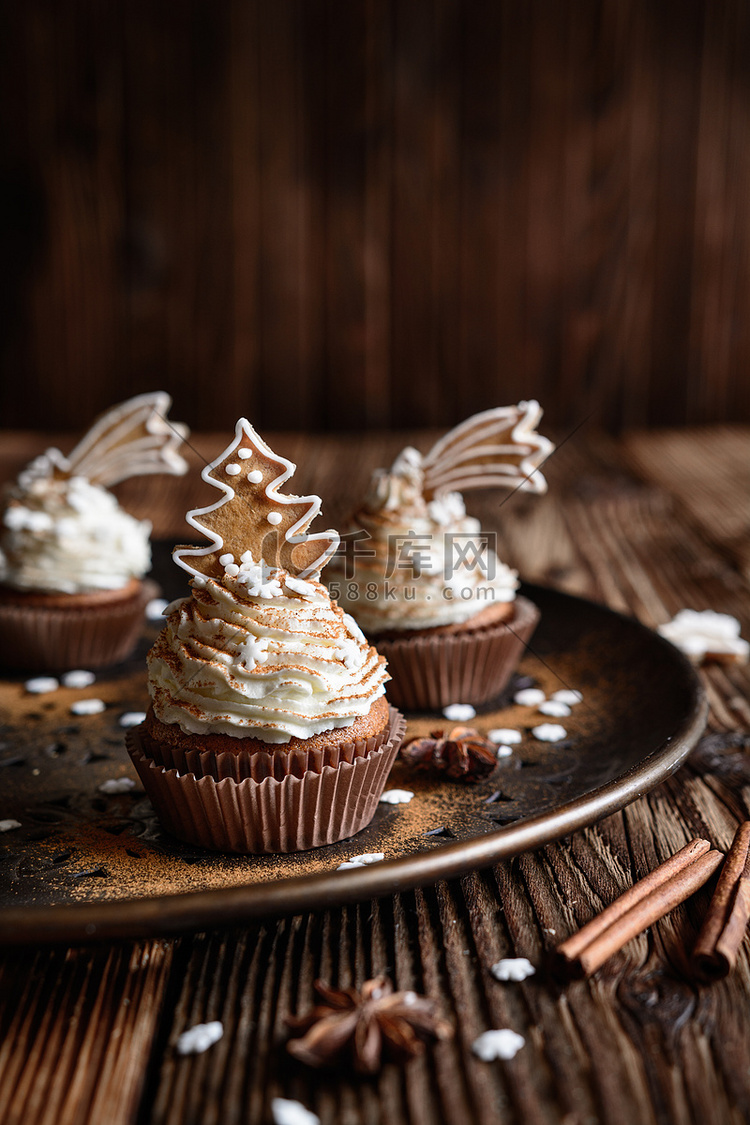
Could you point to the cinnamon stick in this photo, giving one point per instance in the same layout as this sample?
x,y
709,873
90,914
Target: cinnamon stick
x,y
644,903
722,932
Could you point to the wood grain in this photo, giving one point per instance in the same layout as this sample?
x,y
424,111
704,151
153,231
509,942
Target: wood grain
x,y
331,215
89,1035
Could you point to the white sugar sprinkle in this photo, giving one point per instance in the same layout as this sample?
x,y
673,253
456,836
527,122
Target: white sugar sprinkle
x,y
501,1043
226,559
40,685
155,608
88,707
567,695
287,1112
232,470
9,825
363,860
396,796
513,968
78,678
117,785
554,708
199,1038
529,697
549,732
505,735
132,718
459,712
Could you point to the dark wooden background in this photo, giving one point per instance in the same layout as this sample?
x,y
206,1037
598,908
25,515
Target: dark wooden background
x,y
330,214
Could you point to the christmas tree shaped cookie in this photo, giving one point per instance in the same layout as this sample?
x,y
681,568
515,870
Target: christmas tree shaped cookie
x,y
254,522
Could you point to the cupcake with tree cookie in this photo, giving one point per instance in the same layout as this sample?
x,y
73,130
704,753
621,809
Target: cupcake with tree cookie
x,y
421,579
72,562
268,729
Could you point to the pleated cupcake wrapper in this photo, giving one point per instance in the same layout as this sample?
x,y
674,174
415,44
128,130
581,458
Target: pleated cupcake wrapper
x,y
270,816
55,639
257,764
428,673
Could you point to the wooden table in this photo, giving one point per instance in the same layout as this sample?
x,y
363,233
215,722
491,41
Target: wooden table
x,y
649,525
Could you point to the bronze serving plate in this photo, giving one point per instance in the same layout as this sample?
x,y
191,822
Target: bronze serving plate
x,y
85,865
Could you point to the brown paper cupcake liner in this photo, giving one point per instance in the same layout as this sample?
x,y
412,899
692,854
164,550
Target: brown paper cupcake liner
x,y
428,673
54,639
257,764
271,816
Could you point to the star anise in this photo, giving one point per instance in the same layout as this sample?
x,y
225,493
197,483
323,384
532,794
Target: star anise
x,y
463,754
362,1026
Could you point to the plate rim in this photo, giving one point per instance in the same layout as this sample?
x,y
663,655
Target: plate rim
x,y
163,915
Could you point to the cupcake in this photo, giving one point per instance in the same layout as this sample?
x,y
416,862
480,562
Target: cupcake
x,y
268,729
423,581
72,562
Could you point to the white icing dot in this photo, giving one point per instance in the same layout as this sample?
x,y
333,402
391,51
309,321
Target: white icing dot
x,y
225,560
243,454
459,712
549,732
396,796
132,718
117,785
274,517
255,477
505,735
567,695
9,825
88,707
504,751
499,1044
529,697
199,1038
513,968
555,708
78,678
232,470
40,685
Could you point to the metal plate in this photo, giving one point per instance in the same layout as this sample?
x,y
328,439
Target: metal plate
x,y
86,866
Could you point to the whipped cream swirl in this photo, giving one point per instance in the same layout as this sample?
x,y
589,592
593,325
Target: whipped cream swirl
x,y
424,564
65,535
262,655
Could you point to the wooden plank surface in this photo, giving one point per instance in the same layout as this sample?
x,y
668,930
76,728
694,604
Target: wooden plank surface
x,y
373,213
88,1035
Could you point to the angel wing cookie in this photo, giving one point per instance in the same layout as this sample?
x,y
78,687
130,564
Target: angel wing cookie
x,y
130,440
497,448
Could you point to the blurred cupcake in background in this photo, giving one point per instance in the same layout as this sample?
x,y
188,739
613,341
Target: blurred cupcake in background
x,y
423,581
72,562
